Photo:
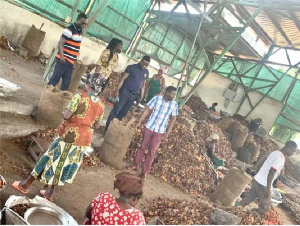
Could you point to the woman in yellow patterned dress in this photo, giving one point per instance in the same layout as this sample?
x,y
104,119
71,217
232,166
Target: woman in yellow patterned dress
x,y
62,160
109,60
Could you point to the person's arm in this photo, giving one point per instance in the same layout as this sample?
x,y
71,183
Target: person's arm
x,y
72,107
148,108
142,90
66,35
103,59
88,215
170,126
270,179
144,115
61,43
98,120
66,114
171,121
162,86
124,77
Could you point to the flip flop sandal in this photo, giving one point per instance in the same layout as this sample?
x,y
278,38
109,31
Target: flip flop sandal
x,y
131,167
43,193
16,184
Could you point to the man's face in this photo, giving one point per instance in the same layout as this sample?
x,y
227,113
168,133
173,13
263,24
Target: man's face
x,y
215,141
160,72
119,48
144,64
290,151
170,96
81,23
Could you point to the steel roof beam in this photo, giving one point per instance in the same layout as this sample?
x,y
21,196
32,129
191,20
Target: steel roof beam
x,y
197,8
255,26
253,60
219,57
294,17
283,5
278,27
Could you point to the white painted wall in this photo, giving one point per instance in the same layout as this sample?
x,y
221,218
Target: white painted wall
x,y
213,87
15,22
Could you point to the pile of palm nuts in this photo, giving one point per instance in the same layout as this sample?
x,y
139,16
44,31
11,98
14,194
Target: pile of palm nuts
x,y
176,212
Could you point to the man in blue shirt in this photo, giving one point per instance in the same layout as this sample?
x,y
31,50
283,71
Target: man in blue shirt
x,y
133,80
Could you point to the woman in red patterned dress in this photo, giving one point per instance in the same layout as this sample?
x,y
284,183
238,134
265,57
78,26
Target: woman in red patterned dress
x,y
107,210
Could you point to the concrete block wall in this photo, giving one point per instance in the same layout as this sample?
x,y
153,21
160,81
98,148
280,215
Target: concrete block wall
x,y
212,88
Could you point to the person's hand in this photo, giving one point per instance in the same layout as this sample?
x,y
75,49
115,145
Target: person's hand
x,y
139,100
165,136
138,125
86,221
267,192
117,93
62,59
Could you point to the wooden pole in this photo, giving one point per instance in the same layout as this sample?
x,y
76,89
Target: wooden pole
x,y
100,7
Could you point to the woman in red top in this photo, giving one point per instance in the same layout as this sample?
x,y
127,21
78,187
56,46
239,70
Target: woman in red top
x,y
60,163
107,210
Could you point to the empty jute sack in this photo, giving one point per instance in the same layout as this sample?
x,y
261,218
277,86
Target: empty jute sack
x,y
33,41
244,155
225,123
78,71
253,148
52,103
238,139
116,142
234,126
231,187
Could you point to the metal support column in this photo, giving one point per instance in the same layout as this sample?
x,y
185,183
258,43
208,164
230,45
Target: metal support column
x,y
261,64
238,34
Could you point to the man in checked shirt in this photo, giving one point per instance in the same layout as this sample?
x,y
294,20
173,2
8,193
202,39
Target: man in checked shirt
x,y
157,128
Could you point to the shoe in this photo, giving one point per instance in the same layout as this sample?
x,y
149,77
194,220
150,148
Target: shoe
x,y
131,168
143,176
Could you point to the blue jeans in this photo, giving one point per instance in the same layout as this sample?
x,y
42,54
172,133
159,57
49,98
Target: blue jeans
x,y
121,108
63,71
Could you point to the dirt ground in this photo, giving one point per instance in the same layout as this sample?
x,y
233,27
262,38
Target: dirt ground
x,y
16,164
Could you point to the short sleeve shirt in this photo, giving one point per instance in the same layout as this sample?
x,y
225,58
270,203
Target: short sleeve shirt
x,y
105,211
161,113
73,37
136,77
274,161
107,66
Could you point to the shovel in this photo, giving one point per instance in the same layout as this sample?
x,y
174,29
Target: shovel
x,y
210,165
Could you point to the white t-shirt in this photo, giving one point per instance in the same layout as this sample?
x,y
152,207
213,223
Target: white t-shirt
x,y
275,161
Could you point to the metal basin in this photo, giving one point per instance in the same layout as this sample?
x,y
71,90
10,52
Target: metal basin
x,y
44,216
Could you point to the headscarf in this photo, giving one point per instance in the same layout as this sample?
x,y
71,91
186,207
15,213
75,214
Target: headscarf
x,y
213,136
128,183
95,81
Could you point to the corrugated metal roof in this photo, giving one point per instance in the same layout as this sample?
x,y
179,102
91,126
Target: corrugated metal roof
x,y
279,25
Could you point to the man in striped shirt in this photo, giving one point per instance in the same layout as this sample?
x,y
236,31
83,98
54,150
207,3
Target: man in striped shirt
x,y
68,51
158,127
